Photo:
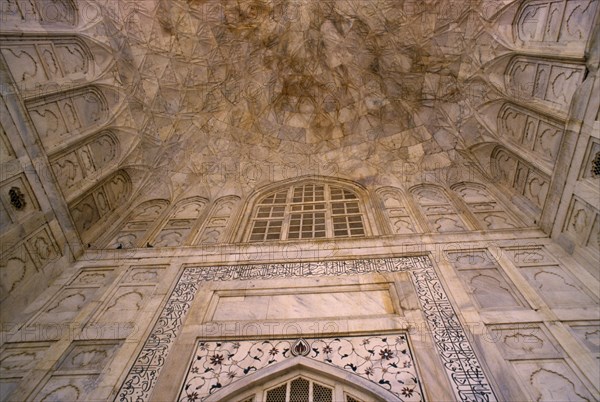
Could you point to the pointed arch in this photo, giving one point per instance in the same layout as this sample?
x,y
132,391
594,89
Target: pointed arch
x,y
490,212
399,214
136,227
182,219
440,211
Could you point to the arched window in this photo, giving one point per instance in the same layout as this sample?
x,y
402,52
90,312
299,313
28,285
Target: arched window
x,y
308,211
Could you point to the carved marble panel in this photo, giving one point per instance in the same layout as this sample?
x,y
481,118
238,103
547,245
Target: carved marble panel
x,y
67,388
16,361
582,224
37,63
90,356
529,255
143,275
524,341
182,219
101,200
92,277
558,287
22,261
520,176
551,380
303,303
19,358
84,161
42,247
438,209
484,280
221,214
57,12
124,304
558,21
530,130
16,268
549,81
85,213
6,150
490,213
588,334
60,117
137,223
51,322
399,217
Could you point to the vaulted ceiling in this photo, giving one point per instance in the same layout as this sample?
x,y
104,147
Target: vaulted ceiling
x,y
219,97
325,87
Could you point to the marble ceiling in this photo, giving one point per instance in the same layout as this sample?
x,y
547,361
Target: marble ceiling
x,y
276,88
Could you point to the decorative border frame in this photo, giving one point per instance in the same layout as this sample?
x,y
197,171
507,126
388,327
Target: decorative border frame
x,y
458,357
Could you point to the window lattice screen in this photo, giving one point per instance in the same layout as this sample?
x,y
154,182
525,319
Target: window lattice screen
x,y
300,390
309,211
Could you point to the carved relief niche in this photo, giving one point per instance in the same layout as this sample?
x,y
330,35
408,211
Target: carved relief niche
x,y
100,201
438,209
136,225
26,258
583,225
76,372
555,284
178,227
539,362
16,268
551,380
143,275
531,131
490,213
555,22
520,177
397,212
56,12
484,280
220,216
590,169
85,160
62,117
551,82
588,333
87,356
524,341
17,360
92,277
38,64
7,152
126,301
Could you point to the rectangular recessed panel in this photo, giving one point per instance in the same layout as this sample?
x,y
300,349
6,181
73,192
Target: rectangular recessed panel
x,y
297,305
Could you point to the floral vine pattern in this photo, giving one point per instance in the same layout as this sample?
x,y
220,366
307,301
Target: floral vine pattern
x,y
385,360
459,359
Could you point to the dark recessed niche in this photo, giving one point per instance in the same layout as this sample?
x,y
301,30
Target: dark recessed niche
x,y
17,198
596,165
